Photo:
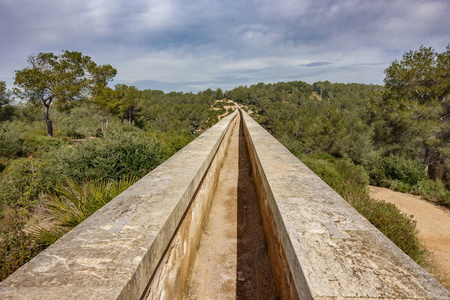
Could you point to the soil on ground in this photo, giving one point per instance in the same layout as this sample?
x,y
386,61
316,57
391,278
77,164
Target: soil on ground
x,y
230,104
232,260
433,223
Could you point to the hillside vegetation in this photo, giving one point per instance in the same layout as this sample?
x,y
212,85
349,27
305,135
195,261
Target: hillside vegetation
x,y
93,141
50,184
399,134
394,136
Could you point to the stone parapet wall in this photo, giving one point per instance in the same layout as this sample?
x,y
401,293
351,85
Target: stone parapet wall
x,y
332,252
114,253
170,277
142,243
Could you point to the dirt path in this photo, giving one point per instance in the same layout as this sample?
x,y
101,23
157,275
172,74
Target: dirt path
x,y
433,223
226,107
232,261
230,104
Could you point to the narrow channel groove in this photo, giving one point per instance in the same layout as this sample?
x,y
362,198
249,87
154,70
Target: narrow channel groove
x,y
232,260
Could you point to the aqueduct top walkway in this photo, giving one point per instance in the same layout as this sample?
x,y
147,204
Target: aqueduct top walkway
x,y
144,243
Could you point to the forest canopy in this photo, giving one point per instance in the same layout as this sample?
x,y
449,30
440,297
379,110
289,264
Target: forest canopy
x,y
396,136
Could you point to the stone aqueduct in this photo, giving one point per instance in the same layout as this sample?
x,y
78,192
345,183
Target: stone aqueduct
x,y
143,243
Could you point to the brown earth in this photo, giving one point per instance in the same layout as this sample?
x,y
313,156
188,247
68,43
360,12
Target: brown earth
x,y
232,260
226,107
433,223
233,106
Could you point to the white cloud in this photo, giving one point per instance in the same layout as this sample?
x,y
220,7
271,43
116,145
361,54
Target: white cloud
x,y
155,14
203,43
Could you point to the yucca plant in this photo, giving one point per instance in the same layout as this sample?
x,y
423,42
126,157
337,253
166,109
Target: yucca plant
x,y
71,204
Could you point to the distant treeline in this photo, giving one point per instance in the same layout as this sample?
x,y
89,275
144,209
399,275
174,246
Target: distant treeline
x,y
323,117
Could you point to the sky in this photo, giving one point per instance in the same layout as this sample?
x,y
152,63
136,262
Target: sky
x,y
192,45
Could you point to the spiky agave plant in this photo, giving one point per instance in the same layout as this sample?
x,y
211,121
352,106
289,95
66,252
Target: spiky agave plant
x,y
72,203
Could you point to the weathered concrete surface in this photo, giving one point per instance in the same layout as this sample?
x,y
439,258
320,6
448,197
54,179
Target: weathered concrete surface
x,y
332,251
319,246
114,253
170,277
232,260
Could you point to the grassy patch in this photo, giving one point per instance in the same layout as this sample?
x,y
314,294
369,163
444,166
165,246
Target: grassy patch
x,y
73,203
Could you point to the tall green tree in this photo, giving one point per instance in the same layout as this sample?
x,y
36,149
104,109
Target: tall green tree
x,y
4,101
219,94
60,79
123,102
104,101
127,100
416,106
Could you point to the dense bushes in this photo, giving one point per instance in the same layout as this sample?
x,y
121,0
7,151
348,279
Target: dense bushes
x,y
71,182
405,175
18,139
432,191
186,113
118,154
12,138
16,247
76,180
23,180
385,169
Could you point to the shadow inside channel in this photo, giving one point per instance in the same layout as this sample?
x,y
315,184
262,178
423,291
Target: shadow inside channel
x,y
254,277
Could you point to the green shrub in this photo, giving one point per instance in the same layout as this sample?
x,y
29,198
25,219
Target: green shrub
x,y
16,247
324,169
434,191
350,181
72,133
397,226
18,139
396,185
116,155
407,176
383,170
219,105
12,137
173,140
213,119
37,144
23,180
293,145
337,170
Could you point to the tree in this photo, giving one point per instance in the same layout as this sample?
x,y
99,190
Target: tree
x,y
4,101
127,101
104,101
60,79
122,101
219,94
416,105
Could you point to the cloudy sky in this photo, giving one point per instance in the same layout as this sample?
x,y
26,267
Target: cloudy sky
x,y
191,45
